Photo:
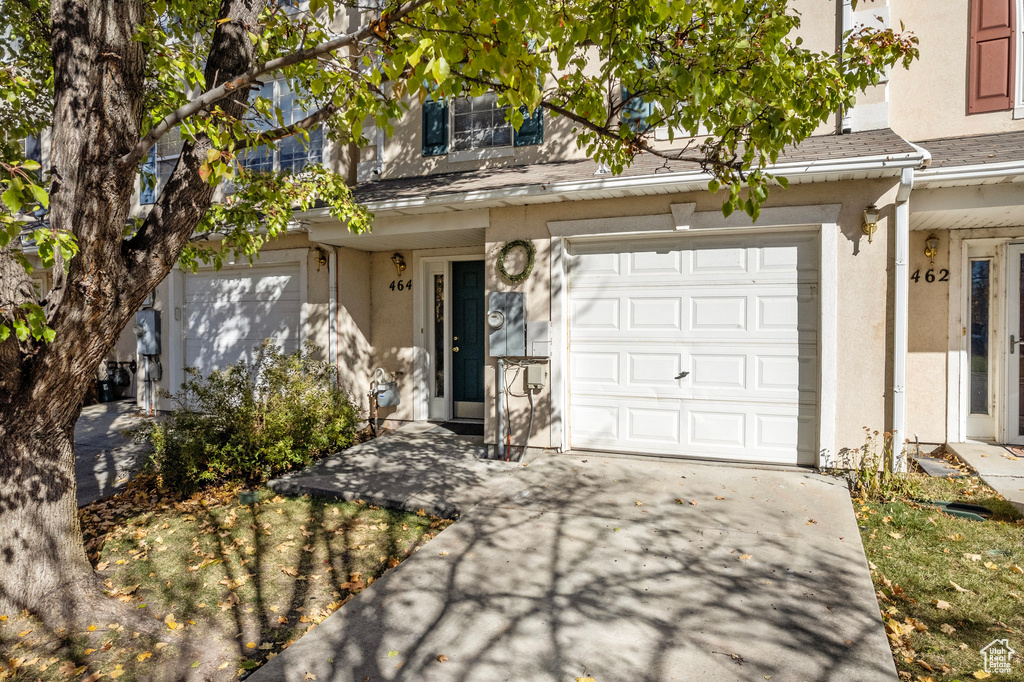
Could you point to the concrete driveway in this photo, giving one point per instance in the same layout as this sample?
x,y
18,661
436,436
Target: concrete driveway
x,y
614,568
104,459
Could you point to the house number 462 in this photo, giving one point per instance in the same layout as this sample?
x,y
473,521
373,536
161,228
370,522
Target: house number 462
x,y
400,285
929,275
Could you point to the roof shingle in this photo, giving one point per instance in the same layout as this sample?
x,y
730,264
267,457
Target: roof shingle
x,y
820,148
975,150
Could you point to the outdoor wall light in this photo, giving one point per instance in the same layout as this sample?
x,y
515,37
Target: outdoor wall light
x,y
399,262
870,221
931,247
321,258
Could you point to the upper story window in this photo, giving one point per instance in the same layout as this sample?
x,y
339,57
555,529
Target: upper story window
x,y
993,57
479,122
292,153
475,124
162,160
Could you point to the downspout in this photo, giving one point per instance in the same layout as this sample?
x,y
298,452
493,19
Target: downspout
x,y
845,125
332,308
901,314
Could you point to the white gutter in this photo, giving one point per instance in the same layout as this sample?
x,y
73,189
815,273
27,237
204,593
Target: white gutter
x,y
984,171
845,26
893,162
901,313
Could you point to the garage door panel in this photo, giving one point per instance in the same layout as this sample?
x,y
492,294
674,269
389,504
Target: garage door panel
x,y
777,313
693,428
705,260
717,371
739,314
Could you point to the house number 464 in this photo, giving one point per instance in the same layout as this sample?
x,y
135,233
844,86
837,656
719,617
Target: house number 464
x,y
399,285
929,275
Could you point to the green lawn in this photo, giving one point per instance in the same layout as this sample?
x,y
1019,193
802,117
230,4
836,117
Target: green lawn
x,y
229,585
946,586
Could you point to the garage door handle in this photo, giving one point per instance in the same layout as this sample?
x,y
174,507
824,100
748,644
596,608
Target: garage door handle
x,y
682,375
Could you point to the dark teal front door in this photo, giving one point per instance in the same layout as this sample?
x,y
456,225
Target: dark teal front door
x,y
468,339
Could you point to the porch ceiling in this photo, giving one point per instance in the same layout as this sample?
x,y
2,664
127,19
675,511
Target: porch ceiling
x,y
963,207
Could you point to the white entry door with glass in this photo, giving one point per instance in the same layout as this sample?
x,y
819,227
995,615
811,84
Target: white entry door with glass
x,y
994,331
1015,357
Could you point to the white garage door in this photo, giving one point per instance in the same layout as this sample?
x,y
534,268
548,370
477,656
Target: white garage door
x,y
228,313
738,313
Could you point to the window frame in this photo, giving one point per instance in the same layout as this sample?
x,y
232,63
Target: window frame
x,y
485,149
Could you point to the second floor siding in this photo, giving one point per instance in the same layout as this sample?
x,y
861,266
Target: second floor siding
x,y
932,99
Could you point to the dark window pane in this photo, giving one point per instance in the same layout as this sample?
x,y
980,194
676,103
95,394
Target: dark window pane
x,y
980,285
438,336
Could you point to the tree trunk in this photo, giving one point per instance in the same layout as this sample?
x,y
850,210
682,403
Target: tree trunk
x,y
99,76
44,563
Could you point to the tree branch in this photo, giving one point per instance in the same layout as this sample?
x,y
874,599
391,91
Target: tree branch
x,y
140,150
311,121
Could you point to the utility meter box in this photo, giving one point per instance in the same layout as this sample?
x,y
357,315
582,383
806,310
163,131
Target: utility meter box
x,y
538,339
506,322
147,332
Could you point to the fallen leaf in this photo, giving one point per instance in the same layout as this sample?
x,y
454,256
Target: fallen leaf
x,y
941,605
744,557
1016,569
91,628
693,502
250,645
972,557
639,503
441,658
894,534
957,587
585,679
160,645
289,570
91,678
947,628
117,672
309,676
143,656
991,566
719,498
981,674
392,654
282,620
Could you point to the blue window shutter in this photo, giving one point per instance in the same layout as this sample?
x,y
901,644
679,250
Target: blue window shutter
x,y
435,128
635,112
532,130
148,195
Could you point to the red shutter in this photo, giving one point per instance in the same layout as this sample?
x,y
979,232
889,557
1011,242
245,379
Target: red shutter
x,y
992,56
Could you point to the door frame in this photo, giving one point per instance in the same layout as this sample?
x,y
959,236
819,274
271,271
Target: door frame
x,y
422,339
995,243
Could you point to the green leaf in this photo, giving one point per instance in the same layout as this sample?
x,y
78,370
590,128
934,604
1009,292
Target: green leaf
x,y
12,198
40,195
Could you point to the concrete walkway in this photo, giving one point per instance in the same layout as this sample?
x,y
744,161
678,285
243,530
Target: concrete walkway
x,y
588,566
996,466
104,459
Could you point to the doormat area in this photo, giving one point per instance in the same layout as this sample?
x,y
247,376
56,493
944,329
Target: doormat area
x,y
464,428
1015,450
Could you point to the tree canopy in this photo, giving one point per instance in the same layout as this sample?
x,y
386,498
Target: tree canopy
x,y
735,68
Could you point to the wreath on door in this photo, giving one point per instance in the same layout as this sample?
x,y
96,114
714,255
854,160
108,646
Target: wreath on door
x,y
506,249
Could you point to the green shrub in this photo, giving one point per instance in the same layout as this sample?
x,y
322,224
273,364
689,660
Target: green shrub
x,y
250,422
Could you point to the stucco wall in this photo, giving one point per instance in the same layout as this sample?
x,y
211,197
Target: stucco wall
x,y
354,350
863,271
927,341
930,100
